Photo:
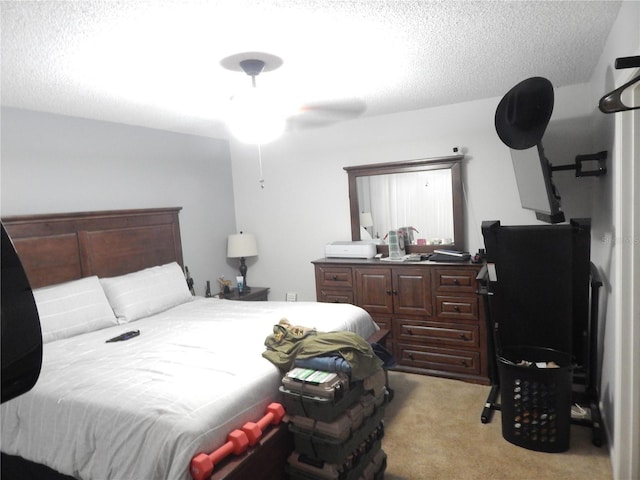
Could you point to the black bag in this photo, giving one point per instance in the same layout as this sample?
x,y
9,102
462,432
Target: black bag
x,y
21,335
388,360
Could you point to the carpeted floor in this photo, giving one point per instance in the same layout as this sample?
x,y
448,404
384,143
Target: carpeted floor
x,y
433,431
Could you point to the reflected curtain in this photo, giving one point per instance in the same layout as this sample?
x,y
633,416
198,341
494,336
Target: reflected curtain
x,y
422,200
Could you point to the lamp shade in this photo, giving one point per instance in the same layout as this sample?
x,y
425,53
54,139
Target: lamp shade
x,y
242,245
366,220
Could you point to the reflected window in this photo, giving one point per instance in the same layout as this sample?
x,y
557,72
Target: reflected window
x,y
422,200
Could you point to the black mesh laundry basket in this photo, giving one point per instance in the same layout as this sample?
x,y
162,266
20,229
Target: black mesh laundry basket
x,y
535,402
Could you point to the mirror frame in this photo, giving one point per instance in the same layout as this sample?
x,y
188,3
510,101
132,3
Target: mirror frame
x,y
453,163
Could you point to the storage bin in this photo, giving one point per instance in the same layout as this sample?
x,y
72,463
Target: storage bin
x,y
340,429
535,402
375,469
327,399
317,446
300,467
316,383
319,408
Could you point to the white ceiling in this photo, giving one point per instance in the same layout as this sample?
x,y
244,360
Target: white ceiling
x,y
157,63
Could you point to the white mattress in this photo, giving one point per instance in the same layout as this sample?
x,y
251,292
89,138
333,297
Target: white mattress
x,y
141,409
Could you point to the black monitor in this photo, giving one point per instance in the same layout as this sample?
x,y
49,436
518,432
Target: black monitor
x,y
535,185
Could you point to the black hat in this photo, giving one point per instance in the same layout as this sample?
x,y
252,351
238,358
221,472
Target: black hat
x,y
524,112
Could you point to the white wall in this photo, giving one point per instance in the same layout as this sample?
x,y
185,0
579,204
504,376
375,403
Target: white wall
x,y
52,163
305,204
614,236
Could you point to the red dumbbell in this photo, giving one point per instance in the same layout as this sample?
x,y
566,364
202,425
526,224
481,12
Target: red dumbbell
x,y
274,415
202,464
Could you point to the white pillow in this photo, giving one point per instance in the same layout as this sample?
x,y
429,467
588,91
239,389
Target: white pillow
x,y
72,308
146,292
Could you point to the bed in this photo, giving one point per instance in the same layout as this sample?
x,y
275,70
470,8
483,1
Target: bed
x,y
144,407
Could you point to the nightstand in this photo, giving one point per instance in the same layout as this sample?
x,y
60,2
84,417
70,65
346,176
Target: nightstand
x,y
257,294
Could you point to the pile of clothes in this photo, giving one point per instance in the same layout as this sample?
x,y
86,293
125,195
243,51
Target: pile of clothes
x,y
295,346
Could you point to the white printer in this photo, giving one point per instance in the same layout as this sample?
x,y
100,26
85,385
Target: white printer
x,y
354,249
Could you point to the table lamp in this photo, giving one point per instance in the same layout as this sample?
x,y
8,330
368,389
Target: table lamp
x,y
366,221
242,245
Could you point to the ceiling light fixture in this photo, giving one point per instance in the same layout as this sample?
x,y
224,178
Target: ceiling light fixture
x,y
255,116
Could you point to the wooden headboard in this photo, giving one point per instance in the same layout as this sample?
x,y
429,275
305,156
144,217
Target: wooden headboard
x,y
55,248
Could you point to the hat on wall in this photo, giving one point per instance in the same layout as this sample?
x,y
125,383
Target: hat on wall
x,y
524,112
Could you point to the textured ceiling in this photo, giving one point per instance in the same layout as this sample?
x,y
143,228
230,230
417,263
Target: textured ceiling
x,y
157,63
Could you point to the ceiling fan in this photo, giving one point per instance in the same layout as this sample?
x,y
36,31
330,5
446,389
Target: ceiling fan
x,y
268,117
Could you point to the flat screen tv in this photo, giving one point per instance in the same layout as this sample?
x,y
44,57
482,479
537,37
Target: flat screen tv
x,y
535,185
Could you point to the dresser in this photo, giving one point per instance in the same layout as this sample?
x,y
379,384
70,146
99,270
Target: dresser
x,y
436,320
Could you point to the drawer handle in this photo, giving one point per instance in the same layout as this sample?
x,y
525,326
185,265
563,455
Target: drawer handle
x,y
464,363
410,356
456,308
395,292
409,331
335,278
464,337
455,281
389,292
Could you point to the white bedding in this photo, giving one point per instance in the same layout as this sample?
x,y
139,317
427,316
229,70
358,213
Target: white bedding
x,y
141,409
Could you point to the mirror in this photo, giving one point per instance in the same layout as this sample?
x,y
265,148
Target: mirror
x,y
424,195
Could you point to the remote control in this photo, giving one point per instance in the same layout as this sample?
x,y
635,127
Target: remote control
x,y
124,336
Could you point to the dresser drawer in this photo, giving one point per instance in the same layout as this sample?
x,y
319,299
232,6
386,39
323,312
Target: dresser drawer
x,y
437,333
451,280
439,359
460,308
335,296
333,277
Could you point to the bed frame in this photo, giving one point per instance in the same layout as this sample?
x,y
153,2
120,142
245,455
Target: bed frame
x,y
62,247
57,248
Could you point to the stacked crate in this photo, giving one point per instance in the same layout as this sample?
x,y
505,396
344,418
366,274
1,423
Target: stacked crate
x,y
337,425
